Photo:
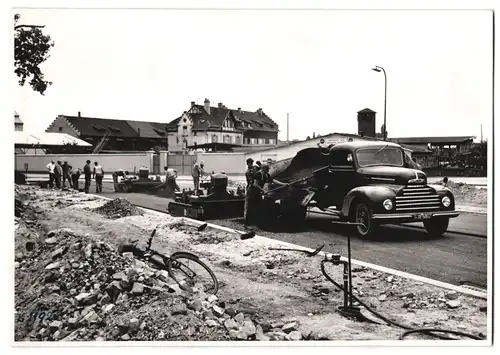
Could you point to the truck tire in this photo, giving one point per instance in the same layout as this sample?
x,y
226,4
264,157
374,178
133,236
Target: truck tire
x,y
363,214
436,227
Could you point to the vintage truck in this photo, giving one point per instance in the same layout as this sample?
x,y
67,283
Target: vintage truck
x,y
368,182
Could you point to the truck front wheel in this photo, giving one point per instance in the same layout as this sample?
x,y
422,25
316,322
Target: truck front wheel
x,y
436,227
363,214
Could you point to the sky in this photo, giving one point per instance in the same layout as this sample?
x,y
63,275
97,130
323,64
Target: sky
x,y
148,65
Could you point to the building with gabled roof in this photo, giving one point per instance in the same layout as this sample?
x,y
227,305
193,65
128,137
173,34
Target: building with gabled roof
x,y
204,124
18,124
123,135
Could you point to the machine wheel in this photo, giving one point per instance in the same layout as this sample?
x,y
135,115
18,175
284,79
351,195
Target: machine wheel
x,y
436,227
363,214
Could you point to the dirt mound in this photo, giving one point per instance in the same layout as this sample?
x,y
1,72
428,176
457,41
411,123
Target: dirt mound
x,y
467,194
118,208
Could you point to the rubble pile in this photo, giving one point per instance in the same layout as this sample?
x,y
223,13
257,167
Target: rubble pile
x,y
118,208
467,194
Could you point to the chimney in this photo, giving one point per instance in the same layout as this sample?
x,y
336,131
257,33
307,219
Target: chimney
x,y
220,105
239,110
366,122
207,105
192,104
79,114
314,135
259,111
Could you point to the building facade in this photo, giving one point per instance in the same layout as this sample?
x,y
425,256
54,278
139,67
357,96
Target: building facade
x,y
18,124
120,135
203,124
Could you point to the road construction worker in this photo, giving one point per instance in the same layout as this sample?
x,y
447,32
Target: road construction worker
x,y
197,173
66,174
50,167
87,171
58,173
251,193
75,176
116,175
170,179
98,176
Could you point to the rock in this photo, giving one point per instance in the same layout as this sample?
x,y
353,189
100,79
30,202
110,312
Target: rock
x,y
211,323
408,295
483,308
277,324
248,253
53,265
133,325
105,299
120,276
137,289
240,317
82,296
236,334
125,337
72,336
231,324
161,335
453,303
289,327
56,253
382,298
452,295
218,311
92,317
315,335
212,298
390,278
16,264
277,336
324,289
265,326
56,335
248,328
88,250
179,309
163,276
231,312
55,325
196,305
72,322
269,265
107,308
294,336
50,241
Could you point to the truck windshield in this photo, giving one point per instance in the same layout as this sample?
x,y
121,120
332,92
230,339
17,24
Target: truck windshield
x,y
379,156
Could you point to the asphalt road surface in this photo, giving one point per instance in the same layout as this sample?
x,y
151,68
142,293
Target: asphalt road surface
x,y
454,258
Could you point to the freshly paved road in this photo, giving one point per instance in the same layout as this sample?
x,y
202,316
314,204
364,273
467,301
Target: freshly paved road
x,y
453,258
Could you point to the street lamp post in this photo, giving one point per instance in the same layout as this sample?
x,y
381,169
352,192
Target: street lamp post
x,y
379,69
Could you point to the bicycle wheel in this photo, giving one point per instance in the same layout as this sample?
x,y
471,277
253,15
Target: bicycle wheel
x,y
190,272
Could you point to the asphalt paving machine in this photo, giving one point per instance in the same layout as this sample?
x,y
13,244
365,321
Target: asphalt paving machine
x,y
139,182
217,203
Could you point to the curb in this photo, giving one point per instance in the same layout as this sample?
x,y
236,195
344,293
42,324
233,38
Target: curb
x,y
450,231
451,287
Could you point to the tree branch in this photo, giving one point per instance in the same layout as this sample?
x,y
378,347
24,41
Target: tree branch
x,y
29,26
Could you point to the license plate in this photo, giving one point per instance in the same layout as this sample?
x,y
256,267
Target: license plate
x,y
422,216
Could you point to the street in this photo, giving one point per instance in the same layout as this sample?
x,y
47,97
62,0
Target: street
x,y
455,258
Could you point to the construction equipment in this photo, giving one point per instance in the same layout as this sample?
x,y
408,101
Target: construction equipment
x,y
217,203
307,252
136,183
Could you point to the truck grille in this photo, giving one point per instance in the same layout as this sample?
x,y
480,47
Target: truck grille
x,y
418,198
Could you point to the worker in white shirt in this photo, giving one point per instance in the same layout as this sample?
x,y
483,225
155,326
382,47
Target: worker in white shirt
x,y
170,179
51,167
98,176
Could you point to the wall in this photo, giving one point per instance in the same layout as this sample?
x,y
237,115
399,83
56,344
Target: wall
x,y
229,163
109,162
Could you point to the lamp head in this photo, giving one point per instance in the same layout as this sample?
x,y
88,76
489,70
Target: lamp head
x,y
376,69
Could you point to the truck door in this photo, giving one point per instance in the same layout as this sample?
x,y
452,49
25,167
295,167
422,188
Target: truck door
x,y
342,175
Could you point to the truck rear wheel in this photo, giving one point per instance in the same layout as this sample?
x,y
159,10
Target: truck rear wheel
x,y
363,214
436,227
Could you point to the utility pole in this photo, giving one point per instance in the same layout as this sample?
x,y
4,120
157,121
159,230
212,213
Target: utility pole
x,y
481,133
287,128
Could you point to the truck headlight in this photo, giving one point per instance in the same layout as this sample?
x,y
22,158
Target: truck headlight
x,y
388,204
446,201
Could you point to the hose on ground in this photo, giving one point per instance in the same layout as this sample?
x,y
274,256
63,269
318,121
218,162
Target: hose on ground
x,y
409,330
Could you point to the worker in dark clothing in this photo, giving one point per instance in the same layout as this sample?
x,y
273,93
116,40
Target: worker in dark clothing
x,y
75,176
251,193
87,171
259,166
58,173
66,174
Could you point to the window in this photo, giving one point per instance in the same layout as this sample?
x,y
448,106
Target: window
x,y
195,133
214,138
341,158
60,129
238,140
272,141
379,156
253,140
262,141
227,139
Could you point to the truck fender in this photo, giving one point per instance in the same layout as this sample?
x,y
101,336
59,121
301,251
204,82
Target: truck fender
x,y
373,194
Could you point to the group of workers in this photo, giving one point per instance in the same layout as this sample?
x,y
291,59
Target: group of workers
x,y
257,176
60,172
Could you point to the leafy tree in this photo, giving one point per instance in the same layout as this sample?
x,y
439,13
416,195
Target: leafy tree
x,y
31,48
